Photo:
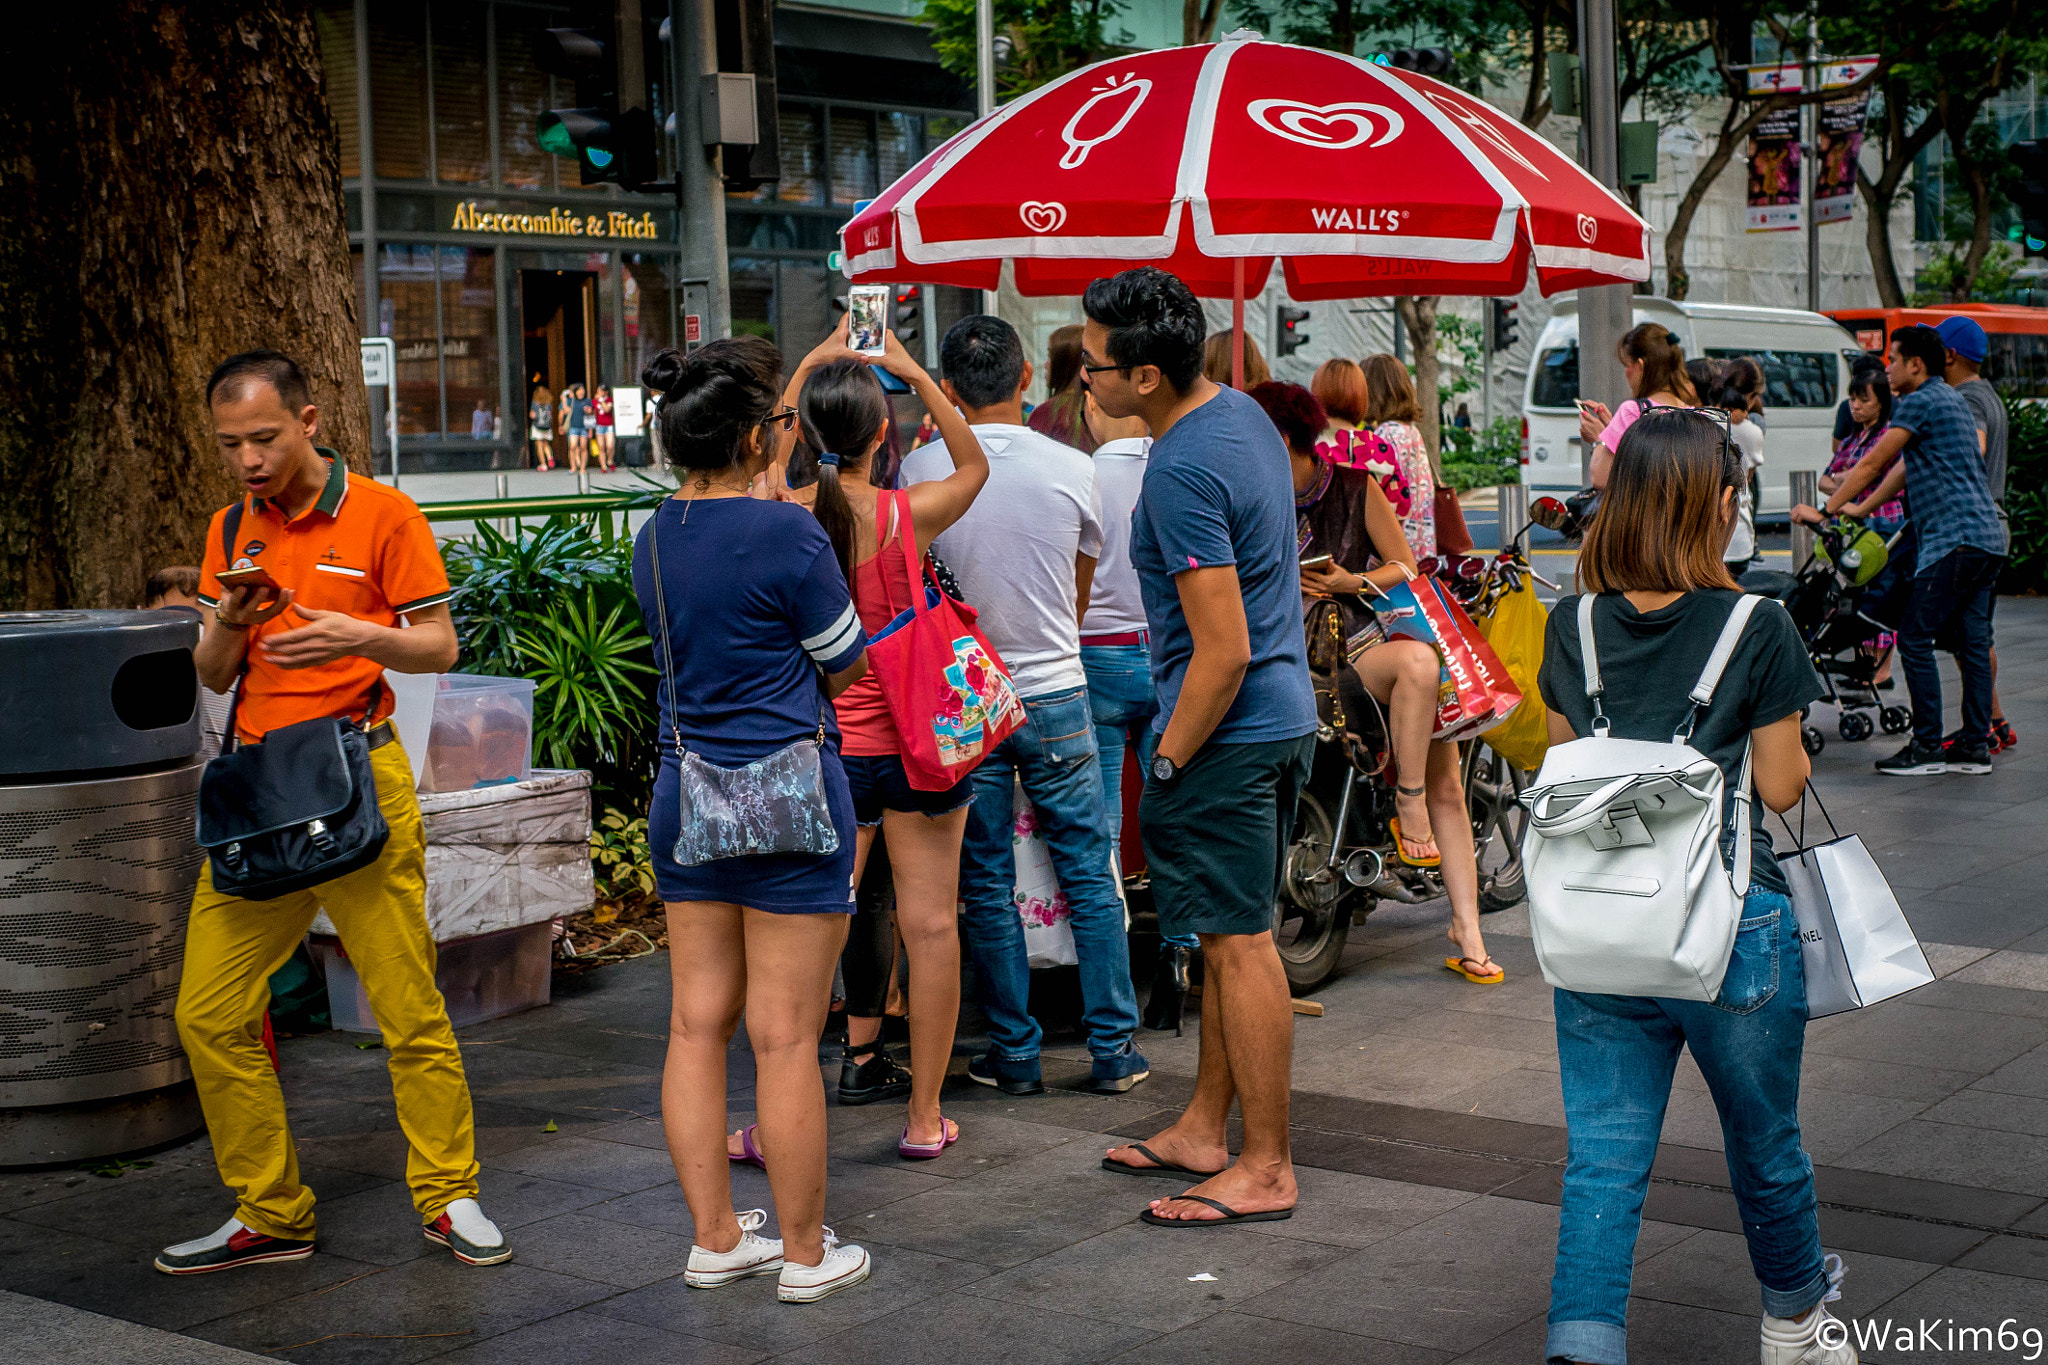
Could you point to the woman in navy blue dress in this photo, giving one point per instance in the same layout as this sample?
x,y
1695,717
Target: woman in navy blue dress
x,y
761,634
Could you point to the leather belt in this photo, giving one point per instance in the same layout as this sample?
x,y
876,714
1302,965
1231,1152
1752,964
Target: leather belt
x,y
382,733
1128,637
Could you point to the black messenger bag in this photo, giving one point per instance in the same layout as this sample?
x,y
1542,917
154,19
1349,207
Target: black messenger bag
x,y
295,811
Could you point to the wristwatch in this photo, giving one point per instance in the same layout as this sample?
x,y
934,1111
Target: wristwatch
x,y
1164,770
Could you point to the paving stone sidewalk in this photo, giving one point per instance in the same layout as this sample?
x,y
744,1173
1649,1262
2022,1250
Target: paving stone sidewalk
x,y
1427,1123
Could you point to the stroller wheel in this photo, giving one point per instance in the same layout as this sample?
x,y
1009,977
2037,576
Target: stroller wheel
x,y
1855,725
1895,720
1811,739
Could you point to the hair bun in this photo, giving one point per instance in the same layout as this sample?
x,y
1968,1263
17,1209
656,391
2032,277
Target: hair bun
x,y
663,372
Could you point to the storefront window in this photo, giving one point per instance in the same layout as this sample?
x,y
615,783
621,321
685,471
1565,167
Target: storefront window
x,y
896,142
462,143
398,88
853,156
522,99
806,289
469,340
802,156
753,297
647,311
335,26
405,285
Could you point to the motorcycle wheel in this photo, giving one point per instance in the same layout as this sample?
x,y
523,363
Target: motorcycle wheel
x,y
1311,920
1493,787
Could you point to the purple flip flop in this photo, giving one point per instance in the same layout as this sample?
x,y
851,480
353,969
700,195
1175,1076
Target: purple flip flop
x,y
753,1155
949,1133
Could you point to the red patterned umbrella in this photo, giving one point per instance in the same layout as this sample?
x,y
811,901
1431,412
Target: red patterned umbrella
x,y
1215,160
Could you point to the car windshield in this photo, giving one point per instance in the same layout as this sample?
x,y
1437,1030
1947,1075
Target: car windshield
x,y
1792,379
1554,382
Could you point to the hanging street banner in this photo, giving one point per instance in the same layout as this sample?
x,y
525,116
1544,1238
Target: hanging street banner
x,y
1839,141
1774,176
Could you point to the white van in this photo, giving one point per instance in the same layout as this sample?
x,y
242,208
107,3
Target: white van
x,y
1805,359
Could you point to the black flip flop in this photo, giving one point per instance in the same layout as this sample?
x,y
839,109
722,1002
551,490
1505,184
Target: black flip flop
x,y
1230,1215
1161,1166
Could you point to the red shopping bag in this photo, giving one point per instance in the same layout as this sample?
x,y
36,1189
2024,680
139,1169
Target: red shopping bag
x,y
1474,691
947,690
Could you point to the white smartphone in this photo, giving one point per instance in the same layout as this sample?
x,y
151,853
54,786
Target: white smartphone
x,y
867,312
1317,562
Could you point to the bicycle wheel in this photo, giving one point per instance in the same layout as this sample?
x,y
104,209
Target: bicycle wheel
x,y
1493,787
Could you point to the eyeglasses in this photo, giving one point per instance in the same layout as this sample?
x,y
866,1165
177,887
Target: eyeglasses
x,y
782,417
1087,370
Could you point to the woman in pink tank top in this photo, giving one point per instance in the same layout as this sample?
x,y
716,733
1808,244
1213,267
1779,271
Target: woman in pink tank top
x,y
845,419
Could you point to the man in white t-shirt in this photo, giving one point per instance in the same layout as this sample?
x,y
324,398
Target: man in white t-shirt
x,y
1025,556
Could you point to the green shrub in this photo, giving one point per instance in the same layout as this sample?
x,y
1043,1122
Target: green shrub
x,y
1483,458
2026,497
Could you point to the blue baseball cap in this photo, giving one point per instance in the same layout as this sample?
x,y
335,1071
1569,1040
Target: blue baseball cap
x,y
1964,337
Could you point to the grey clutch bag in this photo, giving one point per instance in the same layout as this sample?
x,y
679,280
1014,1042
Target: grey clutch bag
x,y
772,805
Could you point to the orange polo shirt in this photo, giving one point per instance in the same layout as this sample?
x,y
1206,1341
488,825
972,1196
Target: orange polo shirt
x,y
361,548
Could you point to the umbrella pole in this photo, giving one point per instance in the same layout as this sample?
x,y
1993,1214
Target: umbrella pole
x,y
1237,325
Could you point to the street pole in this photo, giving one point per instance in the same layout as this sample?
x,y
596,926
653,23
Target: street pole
x,y
700,174
1810,124
985,87
1605,313
1486,367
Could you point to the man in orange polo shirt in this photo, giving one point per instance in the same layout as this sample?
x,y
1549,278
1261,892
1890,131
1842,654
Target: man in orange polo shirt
x,y
351,558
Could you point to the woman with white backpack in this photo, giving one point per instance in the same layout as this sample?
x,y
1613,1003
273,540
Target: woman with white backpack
x,y
1654,943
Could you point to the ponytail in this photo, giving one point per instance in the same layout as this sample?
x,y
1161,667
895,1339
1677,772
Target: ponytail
x,y
1662,359
842,409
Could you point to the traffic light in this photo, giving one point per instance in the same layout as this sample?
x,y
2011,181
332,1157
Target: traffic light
x,y
1503,311
608,144
1291,338
909,312
2030,195
1424,61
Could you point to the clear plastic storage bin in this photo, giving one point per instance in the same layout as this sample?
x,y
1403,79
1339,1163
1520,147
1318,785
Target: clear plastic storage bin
x,y
480,978
482,733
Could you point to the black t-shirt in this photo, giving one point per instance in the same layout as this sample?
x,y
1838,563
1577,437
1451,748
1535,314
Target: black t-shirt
x,y
1649,662
1845,424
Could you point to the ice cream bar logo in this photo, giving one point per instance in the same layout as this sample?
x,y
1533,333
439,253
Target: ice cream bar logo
x,y
1332,127
1101,117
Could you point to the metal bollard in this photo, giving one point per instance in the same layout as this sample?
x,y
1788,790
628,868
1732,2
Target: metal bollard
x,y
1805,488
504,492
1512,499
582,481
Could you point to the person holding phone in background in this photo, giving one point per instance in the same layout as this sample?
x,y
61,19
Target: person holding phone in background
x,y
1654,364
601,409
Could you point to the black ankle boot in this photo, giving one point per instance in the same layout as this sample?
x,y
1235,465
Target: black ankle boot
x,y
877,1078
1169,990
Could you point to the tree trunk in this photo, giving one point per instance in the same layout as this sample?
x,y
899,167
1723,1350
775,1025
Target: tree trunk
x,y
1198,20
1957,116
1901,149
173,180
1418,316
1734,128
1534,106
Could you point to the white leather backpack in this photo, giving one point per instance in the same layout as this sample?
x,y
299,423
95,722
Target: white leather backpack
x,y
1628,894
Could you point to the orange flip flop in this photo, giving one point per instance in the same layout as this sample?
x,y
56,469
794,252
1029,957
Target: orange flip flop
x,y
1394,828
1457,964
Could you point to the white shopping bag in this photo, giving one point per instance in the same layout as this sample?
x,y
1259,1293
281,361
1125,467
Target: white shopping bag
x,y
1853,938
1041,905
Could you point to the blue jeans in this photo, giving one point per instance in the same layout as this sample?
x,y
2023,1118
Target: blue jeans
x,y
1616,1055
1054,755
1121,698
1951,599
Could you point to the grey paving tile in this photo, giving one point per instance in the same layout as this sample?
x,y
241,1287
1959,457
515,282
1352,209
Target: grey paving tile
x,y
1473,1030
183,1203
1403,1070
747,1314
1338,1208
602,1250
2024,1075
1820,1072
1143,1276
1712,1270
120,1282
1526,1094
1014,1214
953,1327
1234,1338
1959,1298
1990,1109
987,1141
1898,1031
583,1336
620,1166
2022,1256
1967,1156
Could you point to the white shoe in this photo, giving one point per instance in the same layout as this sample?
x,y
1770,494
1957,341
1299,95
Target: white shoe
x,y
1820,1338
464,1230
843,1266
754,1255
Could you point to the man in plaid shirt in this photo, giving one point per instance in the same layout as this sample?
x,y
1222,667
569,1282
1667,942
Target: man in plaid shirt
x,y
1961,549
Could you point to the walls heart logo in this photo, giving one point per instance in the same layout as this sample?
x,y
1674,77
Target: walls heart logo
x,y
1589,228
1332,127
1042,217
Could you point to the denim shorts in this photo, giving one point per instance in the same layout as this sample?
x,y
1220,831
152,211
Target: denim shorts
x,y
880,784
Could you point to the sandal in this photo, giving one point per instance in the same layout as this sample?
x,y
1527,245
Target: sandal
x,y
750,1150
1160,1165
1230,1215
1480,977
949,1133
1434,858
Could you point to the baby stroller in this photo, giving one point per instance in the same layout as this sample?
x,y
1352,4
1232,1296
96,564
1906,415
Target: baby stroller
x,y
1852,587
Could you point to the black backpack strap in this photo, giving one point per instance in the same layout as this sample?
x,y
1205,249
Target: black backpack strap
x,y
231,530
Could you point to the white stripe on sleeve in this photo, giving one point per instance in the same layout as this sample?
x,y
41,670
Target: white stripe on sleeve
x,y
830,643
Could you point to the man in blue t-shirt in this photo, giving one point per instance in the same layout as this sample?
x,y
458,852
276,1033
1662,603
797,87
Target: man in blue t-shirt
x,y
1212,539
1961,549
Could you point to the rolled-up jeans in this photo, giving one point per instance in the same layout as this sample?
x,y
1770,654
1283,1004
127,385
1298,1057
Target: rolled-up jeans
x,y
1616,1055
1054,756
1121,697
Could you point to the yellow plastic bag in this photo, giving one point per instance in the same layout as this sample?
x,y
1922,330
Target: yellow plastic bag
x,y
1515,630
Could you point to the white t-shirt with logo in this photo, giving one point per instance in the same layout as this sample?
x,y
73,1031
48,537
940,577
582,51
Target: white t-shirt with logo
x,y
1014,550
1114,607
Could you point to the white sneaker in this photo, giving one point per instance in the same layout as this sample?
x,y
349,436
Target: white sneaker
x,y
754,1255
464,1230
1820,1338
843,1266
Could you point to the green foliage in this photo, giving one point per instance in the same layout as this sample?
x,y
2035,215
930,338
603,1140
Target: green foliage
x,y
620,858
587,703
2026,496
503,583
1046,39
1483,458
1946,279
1465,340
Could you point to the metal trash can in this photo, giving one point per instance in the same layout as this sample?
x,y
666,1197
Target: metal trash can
x,y
99,775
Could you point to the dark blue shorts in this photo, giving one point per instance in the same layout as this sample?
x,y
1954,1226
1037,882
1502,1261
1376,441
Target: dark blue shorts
x,y
879,783
781,883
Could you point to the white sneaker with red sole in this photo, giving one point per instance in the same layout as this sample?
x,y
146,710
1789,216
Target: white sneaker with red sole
x,y
464,1230
235,1244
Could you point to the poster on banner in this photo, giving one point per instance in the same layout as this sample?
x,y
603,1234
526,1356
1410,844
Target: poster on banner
x,y
1839,140
629,410
1774,171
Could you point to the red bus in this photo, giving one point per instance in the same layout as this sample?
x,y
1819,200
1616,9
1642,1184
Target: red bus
x,y
2016,361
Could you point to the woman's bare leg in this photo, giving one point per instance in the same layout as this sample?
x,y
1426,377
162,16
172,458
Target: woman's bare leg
x,y
708,974
790,961
1453,826
1403,676
924,855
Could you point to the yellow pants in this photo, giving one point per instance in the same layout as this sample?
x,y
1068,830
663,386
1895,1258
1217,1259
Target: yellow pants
x,y
232,947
